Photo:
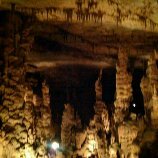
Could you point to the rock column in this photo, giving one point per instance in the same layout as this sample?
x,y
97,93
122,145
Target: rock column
x,y
149,85
123,87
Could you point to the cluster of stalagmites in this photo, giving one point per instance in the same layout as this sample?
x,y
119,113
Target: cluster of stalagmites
x,y
119,134
26,124
90,140
113,135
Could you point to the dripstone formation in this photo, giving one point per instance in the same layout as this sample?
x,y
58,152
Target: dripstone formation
x,y
149,86
26,123
123,87
120,135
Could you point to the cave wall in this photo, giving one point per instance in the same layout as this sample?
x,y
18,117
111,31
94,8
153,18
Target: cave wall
x,y
25,119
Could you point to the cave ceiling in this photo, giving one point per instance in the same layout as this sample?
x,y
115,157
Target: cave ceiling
x,y
128,24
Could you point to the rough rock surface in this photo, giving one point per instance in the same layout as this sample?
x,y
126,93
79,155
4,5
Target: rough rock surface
x,y
123,87
19,131
70,123
149,87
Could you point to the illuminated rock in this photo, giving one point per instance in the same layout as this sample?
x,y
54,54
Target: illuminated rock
x,y
127,133
44,118
70,122
149,85
101,116
113,149
18,113
80,138
45,92
154,111
90,144
134,151
123,87
105,120
92,141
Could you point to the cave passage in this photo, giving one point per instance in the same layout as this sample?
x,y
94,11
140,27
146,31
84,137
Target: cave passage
x,y
76,85
137,102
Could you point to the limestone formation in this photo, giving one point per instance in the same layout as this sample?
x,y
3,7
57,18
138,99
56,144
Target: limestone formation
x,y
94,137
98,87
101,119
149,85
105,119
26,124
154,111
101,116
113,150
16,114
18,133
70,124
101,127
123,87
41,116
127,133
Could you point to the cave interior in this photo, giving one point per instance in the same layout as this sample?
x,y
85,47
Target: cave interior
x,y
83,73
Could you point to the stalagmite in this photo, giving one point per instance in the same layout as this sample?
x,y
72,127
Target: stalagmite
x,y
70,124
98,87
94,138
113,150
127,133
101,118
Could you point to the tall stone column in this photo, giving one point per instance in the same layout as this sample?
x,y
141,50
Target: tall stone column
x,y
101,119
149,83
101,111
46,112
123,87
98,87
